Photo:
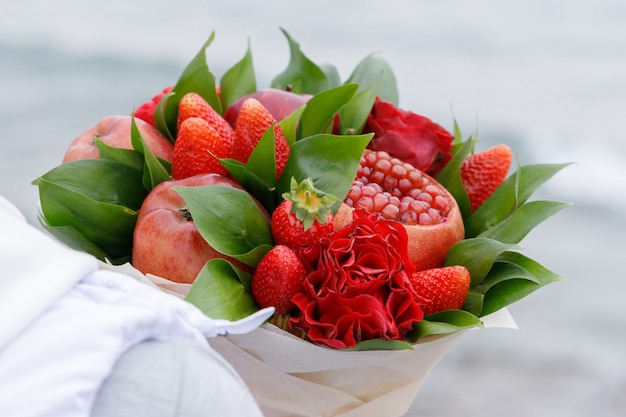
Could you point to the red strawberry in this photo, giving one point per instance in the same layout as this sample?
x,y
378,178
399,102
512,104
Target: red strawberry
x,y
193,105
277,278
445,287
483,172
197,148
253,120
303,217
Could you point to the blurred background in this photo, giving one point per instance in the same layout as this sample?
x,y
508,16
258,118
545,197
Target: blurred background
x,y
546,77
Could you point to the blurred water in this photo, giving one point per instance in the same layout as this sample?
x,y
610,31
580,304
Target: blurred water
x,y
547,77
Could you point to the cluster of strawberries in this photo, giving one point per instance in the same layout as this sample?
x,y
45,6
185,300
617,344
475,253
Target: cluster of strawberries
x,y
304,216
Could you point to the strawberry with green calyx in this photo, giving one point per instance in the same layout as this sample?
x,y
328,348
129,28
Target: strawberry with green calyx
x,y
485,171
277,278
446,288
304,216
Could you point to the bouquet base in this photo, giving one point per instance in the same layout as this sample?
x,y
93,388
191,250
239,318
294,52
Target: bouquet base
x,y
291,377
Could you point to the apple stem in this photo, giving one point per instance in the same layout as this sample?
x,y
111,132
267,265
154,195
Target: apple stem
x,y
186,214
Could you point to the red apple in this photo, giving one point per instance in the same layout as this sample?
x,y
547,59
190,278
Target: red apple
x,y
166,241
115,131
279,103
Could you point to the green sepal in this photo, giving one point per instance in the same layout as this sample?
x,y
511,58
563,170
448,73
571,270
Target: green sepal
x,y
301,76
308,203
238,81
219,292
244,230
442,323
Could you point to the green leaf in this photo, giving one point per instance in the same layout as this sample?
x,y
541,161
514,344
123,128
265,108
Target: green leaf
x,y
155,170
160,121
445,322
264,193
243,232
219,293
290,125
330,160
381,344
98,198
301,76
373,70
519,223
262,161
354,115
238,81
513,192
320,110
197,78
477,255
450,176
128,157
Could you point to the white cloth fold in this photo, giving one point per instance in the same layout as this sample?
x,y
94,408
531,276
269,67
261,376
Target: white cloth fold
x,y
65,322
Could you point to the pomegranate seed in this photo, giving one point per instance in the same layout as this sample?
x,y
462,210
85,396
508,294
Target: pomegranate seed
x,y
397,191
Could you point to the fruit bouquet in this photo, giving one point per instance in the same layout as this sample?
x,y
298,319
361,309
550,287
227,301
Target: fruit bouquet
x,y
377,236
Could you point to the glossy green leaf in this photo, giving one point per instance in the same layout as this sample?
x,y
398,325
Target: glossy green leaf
x,y
218,292
229,220
99,198
331,161
354,115
381,344
160,121
506,198
445,322
320,110
477,255
290,125
450,176
128,157
301,76
264,193
262,161
155,170
198,78
373,70
238,81
524,219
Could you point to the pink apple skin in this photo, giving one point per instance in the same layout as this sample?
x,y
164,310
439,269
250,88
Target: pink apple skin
x,y
279,103
115,131
166,243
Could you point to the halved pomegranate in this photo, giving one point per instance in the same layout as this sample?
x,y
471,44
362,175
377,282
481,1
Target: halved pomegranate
x,y
398,191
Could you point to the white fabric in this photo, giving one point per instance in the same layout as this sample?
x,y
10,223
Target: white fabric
x,y
65,322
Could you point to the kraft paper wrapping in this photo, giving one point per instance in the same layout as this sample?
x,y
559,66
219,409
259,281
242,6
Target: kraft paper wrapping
x,y
289,376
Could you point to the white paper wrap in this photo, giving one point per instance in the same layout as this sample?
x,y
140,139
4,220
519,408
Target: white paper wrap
x,y
289,376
